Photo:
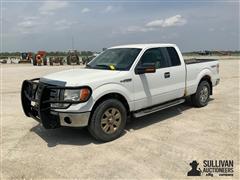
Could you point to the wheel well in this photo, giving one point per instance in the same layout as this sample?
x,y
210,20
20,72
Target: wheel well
x,y
117,96
208,79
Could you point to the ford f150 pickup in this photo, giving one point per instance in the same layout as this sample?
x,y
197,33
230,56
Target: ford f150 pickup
x,y
123,81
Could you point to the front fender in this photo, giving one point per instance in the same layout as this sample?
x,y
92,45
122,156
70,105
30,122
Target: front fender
x,y
114,88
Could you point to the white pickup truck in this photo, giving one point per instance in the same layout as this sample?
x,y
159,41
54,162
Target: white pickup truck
x,y
130,80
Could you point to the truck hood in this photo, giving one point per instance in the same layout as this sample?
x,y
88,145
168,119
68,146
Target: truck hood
x,y
78,77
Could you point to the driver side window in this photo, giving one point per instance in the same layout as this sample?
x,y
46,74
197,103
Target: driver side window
x,y
155,56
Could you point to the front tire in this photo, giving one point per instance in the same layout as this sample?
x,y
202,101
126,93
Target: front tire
x,y
201,97
108,120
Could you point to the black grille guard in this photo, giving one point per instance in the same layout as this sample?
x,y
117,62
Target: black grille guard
x,y
40,94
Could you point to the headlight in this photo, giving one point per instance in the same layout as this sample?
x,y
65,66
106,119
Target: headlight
x,y
69,96
76,94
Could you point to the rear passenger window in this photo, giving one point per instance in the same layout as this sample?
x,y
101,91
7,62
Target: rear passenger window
x,y
174,58
155,56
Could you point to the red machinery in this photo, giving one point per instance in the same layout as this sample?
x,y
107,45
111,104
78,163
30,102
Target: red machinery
x,y
40,58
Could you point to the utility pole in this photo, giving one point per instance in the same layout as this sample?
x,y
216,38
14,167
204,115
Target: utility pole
x,y
72,43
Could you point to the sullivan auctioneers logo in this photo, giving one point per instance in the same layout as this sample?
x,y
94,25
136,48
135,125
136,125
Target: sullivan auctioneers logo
x,y
211,167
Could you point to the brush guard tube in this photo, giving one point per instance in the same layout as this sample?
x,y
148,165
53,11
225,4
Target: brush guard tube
x,y
39,111
36,101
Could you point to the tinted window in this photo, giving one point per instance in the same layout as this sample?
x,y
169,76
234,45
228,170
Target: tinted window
x,y
155,56
119,59
174,58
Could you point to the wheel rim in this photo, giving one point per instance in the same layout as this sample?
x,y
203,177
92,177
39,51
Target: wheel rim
x,y
111,120
204,94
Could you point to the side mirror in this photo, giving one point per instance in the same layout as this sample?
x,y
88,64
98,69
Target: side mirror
x,y
145,68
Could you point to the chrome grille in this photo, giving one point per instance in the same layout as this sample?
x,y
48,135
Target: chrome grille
x,y
54,94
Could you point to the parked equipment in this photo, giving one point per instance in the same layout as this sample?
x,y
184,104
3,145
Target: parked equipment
x,y
87,59
40,58
3,60
25,58
205,53
73,58
58,60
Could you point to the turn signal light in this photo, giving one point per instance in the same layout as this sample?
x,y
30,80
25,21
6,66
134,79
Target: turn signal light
x,y
84,94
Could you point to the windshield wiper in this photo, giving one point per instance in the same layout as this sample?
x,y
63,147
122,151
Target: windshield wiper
x,y
103,66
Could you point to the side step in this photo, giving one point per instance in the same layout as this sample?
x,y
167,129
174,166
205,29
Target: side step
x,y
158,108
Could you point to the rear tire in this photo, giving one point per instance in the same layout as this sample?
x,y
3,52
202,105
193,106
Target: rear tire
x,y
201,97
68,62
108,120
45,62
34,62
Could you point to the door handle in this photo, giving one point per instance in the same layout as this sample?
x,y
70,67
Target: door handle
x,y
167,74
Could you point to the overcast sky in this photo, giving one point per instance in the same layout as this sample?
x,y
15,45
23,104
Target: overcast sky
x,y
50,25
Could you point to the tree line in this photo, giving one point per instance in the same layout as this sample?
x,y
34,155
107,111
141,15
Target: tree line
x,y
51,53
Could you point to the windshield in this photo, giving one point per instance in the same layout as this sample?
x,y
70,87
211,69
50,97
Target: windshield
x,y
115,59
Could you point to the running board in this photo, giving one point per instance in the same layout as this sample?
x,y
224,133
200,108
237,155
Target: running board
x,y
158,108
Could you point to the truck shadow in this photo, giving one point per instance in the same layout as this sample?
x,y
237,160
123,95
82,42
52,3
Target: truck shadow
x,y
141,122
64,136
81,136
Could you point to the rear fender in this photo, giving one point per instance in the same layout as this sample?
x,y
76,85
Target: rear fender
x,y
203,73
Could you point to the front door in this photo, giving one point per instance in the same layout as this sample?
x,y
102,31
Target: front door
x,y
156,88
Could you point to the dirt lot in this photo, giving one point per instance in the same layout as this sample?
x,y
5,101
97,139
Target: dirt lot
x,y
158,146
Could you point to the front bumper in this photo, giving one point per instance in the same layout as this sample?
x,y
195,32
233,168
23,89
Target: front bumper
x,y
36,100
74,119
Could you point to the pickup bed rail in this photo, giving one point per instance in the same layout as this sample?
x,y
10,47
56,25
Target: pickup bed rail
x,y
194,60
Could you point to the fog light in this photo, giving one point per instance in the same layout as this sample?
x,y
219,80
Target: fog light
x,y
59,105
67,120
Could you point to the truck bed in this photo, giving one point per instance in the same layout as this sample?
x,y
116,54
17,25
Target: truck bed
x,y
194,61
195,67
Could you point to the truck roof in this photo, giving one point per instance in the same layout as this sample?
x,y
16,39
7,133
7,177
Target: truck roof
x,y
142,46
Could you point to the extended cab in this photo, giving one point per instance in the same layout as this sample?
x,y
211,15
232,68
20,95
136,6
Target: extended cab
x,y
129,80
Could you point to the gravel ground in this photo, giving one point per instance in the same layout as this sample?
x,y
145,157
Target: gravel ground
x,y
158,146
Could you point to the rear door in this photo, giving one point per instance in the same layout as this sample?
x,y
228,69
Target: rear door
x,y
177,71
